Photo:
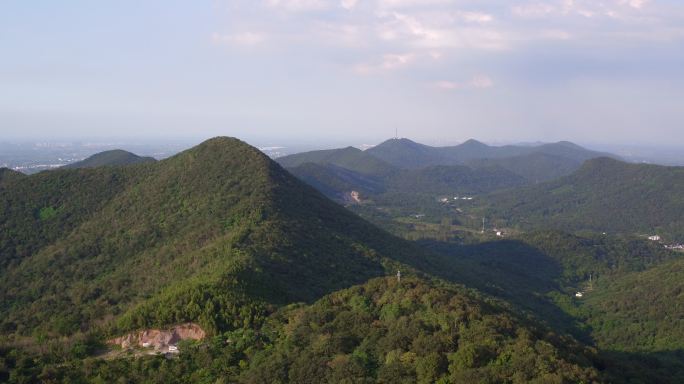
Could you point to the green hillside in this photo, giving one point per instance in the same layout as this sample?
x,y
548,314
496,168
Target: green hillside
x,y
217,226
414,332
430,182
334,181
349,158
541,271
384,331
7,174
605,195
641,311
110,158
450,180
534,167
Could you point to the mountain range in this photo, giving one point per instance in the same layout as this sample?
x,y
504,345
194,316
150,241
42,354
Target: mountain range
x,y
291,287
401,166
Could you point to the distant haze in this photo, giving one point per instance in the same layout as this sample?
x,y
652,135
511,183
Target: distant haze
x,y
321,72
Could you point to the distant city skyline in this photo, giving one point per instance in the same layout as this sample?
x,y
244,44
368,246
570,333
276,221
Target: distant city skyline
x,y
345,71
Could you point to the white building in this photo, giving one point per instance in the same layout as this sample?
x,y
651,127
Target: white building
x,y
654,238
579,294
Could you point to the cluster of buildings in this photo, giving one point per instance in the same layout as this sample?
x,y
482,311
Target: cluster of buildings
x,y
674,247
446,199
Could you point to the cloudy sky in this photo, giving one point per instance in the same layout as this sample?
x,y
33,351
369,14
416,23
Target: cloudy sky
x,y
345,70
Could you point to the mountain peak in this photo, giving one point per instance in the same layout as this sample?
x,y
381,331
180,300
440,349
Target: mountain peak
x,y
472,143
115,157
398,142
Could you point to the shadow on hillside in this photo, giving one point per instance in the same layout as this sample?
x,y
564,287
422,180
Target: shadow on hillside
x,y
663,367
513,271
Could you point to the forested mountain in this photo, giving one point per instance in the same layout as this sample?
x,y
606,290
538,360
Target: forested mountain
x,y
605,195
222,236
113,157
137,243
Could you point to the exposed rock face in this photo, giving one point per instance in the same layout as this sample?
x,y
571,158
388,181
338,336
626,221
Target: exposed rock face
x,y
352,197
160,339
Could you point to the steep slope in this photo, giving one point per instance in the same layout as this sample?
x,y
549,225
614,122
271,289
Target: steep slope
x,y
605,195
349,158
216,234
110,158
336,182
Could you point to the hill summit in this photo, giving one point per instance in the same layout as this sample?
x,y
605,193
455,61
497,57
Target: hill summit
x,y
110,158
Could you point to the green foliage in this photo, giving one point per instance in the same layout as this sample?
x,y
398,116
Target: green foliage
x,y
349,158
47,213
534,167
640,311
605,195
414,332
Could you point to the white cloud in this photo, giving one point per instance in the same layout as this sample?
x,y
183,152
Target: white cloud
x,y
637,4
347,35
476,82
348,4
434,33
534,10
242,38
297,5
396,4
387,62
555,34
476,17
481,81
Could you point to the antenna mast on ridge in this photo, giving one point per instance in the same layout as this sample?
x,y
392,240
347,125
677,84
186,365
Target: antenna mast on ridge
x,y
396,133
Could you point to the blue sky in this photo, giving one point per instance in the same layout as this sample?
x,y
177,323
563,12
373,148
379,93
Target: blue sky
x,y
440,71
